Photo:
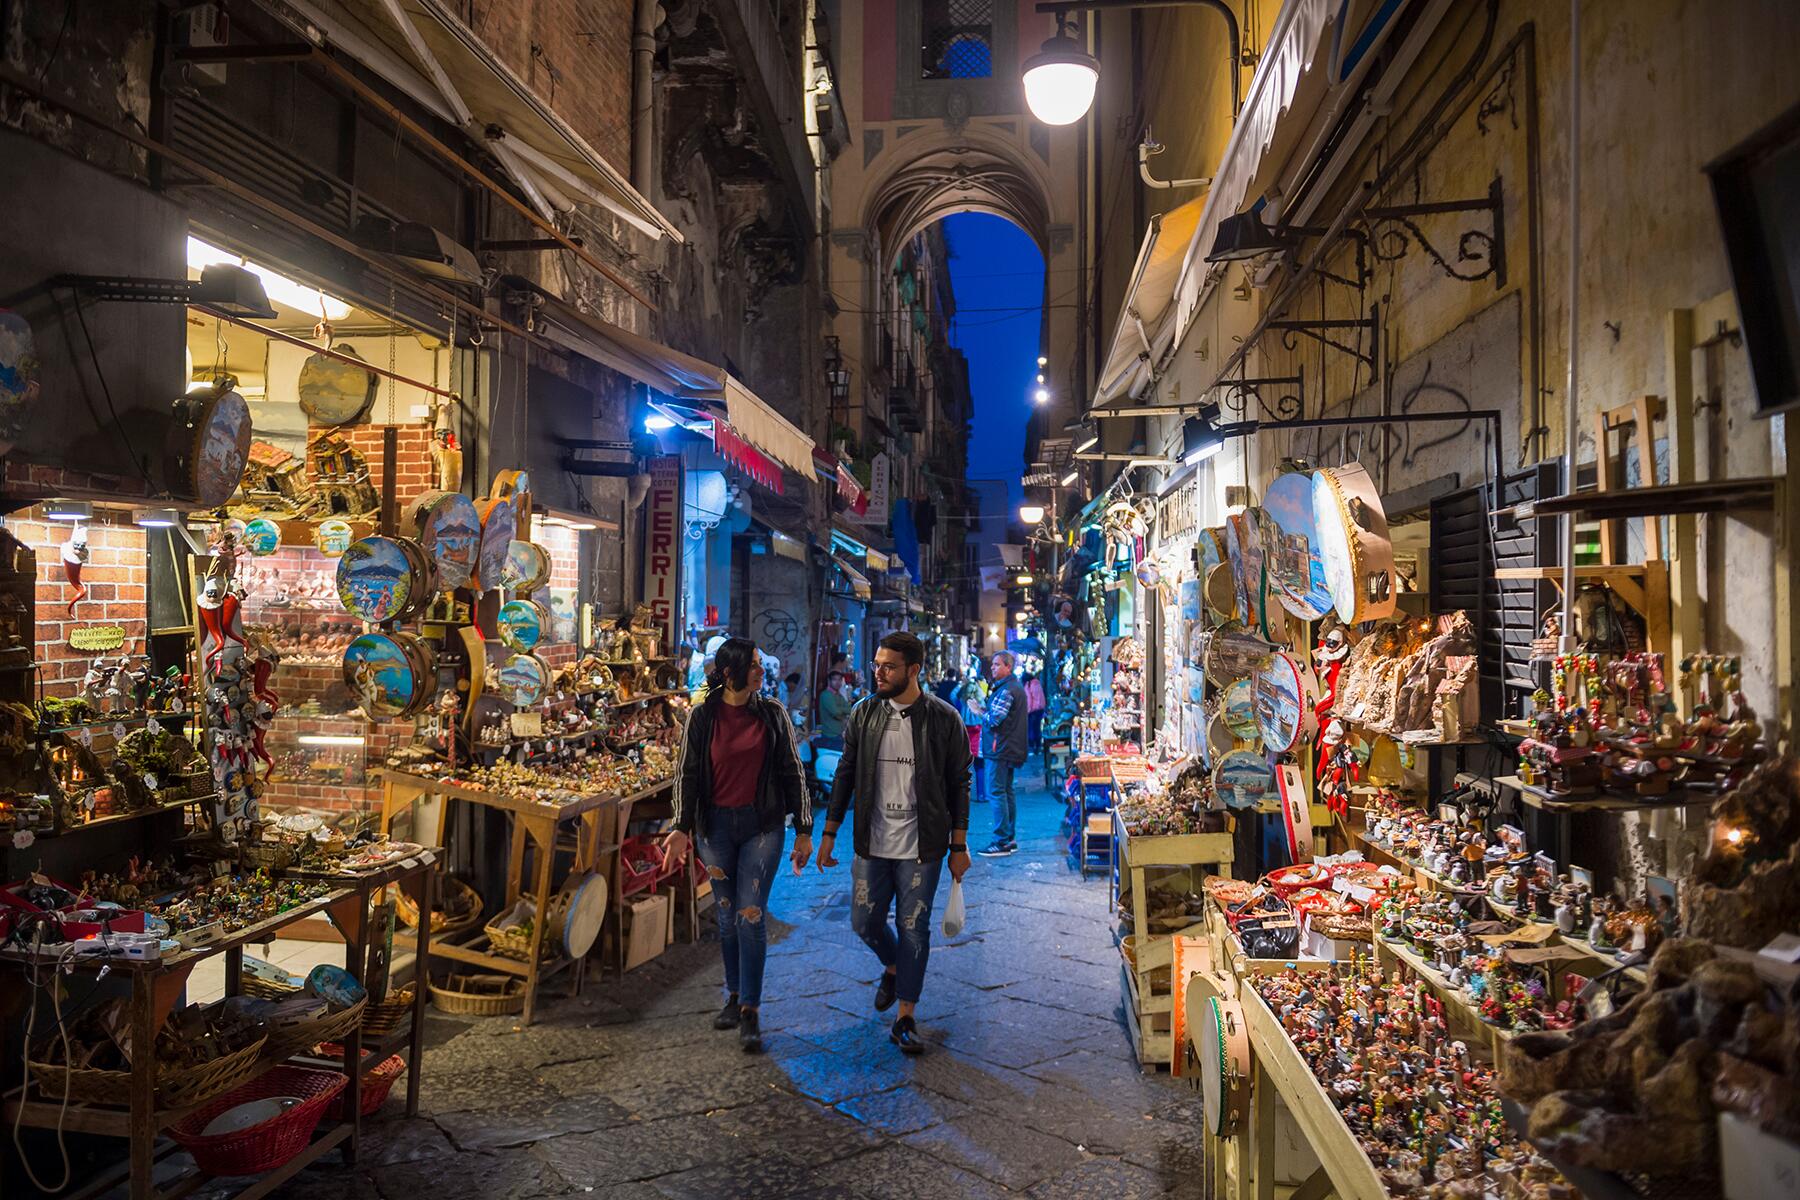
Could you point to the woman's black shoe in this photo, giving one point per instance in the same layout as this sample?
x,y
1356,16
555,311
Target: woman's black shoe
x,y
728,1016
906,1036
750,1032
884,993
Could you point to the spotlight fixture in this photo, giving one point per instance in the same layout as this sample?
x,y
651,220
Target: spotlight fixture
x,y
656,423
1200,440
156,518
1244,235
1069,479
1025,579
1092,441
1031,514
68,510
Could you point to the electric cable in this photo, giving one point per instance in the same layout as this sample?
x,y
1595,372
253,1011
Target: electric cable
x,y
57,965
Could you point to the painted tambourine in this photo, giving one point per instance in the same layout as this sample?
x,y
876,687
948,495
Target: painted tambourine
x,y
1291,547
448,528
499,522
1242,779
522,679
1354,544
20,390
208,445
377,579
1232,655
333,537
382,675
262,537
424,576
1219,740
527,567
1220,588
1286,692
1237,706
515,486
1244,542
521,624
1222,1043
1296,812
586,913
334,392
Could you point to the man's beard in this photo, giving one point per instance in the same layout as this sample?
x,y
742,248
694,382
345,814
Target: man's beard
x,y
887,691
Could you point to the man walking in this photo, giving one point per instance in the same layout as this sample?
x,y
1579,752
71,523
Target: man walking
x,y
833,708
906,766
1003,746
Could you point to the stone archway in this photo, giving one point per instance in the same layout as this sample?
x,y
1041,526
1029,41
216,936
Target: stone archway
x,y
956,172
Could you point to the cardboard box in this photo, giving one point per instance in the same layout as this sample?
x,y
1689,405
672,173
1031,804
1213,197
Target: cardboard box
x,y
647,928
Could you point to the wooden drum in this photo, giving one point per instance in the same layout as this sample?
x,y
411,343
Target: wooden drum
x,y
1222,1043
1354,544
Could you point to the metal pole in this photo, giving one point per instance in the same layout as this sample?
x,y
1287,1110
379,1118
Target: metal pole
x,y
1571,403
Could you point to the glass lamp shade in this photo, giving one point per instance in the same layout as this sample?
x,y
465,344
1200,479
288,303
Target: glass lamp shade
x,y
1060,82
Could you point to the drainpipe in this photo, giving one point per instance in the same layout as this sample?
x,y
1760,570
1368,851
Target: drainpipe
x,y
643,53
1568,643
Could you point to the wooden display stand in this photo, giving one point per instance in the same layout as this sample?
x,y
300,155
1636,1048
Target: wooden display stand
x,y
157,987
600,823
1149,992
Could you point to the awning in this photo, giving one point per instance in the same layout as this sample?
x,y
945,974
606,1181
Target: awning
x,y
683,376
497,107
1317,49
745,457
859,583
1146,323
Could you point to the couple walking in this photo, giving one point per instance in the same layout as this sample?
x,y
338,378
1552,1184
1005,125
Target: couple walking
x,y
906,768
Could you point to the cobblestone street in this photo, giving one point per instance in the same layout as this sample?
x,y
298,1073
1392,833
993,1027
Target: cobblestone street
x,y
628,1093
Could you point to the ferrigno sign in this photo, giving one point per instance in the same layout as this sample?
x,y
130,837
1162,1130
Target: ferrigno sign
x,y
662,547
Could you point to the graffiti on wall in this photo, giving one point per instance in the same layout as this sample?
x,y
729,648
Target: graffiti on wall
x,y
777,631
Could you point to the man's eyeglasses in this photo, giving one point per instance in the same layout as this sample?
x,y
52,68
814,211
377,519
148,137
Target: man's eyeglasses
x,y
890,668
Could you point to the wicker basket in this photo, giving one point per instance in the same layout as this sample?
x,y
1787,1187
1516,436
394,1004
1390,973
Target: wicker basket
x,y
377,1082
516,941
1128,947
266,1146
267,989
479,995
176,1087
383,1017
303,1035
442,922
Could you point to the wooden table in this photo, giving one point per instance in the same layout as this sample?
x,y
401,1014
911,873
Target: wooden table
x,y
600,828
156,987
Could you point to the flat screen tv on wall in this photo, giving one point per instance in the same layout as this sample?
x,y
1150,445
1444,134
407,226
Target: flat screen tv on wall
x,y
1756,188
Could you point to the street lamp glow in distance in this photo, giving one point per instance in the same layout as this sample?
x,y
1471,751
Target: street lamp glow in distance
x,y
1031,514
1060,79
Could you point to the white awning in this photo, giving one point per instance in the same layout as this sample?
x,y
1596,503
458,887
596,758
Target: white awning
x,y
1146,323
424,49
1317,50
685,377
859,583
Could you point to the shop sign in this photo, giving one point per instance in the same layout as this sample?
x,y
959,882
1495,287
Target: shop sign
x,y
662,547
880,492
93,639
1180,511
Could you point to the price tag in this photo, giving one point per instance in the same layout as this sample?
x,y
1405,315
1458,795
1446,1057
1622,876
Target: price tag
x,y
87,802
1341,884
178,705
154,726
428,857
1362,895
1361,711
409,864
118,731
150,782
86,736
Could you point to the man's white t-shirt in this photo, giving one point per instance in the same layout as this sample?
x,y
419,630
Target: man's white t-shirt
x,y
894,832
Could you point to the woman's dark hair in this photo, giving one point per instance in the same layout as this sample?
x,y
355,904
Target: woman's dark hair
x,y
793,677
731,664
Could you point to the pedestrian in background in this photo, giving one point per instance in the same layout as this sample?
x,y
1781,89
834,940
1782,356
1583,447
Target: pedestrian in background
x,y
834,707
949,687
1034,713
973,708
737,782
1004,747
906,767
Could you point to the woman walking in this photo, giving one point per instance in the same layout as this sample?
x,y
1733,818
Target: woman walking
x,y
736,784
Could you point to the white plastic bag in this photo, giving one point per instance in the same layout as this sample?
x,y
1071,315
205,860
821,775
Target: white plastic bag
x,y
953,911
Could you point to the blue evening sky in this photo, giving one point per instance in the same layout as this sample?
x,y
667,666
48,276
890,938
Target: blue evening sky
x,y
998,278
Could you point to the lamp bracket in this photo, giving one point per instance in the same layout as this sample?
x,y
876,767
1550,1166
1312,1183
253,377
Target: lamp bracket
x,y
1393,230
129,288
1317,330
1287,405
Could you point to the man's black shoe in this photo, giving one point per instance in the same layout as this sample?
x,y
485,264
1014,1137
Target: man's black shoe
x,y
906,1036
884,993
728,1016
750,1032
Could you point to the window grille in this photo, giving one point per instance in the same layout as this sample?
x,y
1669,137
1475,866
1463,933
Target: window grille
x,y
958,39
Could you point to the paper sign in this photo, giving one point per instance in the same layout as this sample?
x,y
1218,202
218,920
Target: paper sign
x,y
1534,935
528,724
1534,955
91,639
1785,948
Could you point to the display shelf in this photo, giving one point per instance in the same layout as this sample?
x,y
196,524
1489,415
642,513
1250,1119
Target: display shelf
x,y
106,723
1601,800
1467,1015
135,814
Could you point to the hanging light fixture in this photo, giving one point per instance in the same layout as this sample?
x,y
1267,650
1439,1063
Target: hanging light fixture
x,y
1031,514
1060,80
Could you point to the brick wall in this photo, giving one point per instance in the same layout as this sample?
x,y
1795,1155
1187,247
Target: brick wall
x,y
575,54
412,460
116,577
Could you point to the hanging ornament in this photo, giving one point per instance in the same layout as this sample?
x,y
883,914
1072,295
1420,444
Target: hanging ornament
x,y
74,558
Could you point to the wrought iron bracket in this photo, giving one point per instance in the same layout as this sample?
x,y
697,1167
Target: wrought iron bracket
x,y
1479,254
1287,405
1317,330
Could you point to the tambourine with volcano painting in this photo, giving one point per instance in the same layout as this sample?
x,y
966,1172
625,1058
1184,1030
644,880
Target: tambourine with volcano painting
x,y
207,446
527,567
383,579
390,674
450,531
499,524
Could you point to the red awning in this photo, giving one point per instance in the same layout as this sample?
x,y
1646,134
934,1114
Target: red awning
x,y
731,447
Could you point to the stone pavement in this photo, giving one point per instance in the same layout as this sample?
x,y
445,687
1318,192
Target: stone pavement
x,y
628,1093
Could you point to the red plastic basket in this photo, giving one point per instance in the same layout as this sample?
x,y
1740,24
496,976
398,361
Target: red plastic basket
x,y
640,865
268,1145
376,1084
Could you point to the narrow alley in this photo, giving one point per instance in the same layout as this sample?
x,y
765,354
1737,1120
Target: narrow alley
x,y
629,1093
